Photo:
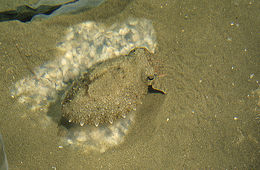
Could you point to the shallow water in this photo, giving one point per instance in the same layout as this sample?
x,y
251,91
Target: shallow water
x,y
209,54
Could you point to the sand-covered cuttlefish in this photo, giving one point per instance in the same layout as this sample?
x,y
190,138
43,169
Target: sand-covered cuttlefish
x,y
109,90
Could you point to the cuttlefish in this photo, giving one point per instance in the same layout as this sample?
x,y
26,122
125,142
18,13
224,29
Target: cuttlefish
x,y
111,89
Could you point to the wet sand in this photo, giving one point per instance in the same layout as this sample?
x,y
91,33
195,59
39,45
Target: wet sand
x,y
207,51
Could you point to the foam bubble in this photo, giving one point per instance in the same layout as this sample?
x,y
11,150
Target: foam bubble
x,y
101,138
84,45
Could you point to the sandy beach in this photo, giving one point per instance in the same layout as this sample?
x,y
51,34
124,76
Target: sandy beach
x,y
209,118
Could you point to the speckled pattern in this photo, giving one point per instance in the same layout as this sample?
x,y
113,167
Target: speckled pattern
x,y
84,45
110,90
87,51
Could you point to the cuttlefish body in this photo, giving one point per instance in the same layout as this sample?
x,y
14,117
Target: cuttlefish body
x,y
110,89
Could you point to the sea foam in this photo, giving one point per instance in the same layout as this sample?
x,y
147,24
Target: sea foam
x,y
84,45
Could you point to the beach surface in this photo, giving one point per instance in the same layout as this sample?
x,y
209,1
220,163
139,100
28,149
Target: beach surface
x,y
208,54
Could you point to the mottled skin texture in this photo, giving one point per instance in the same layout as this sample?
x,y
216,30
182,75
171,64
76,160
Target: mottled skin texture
x,y
109,90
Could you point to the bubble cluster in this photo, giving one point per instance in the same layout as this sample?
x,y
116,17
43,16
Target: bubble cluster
x,y
85,44
91,138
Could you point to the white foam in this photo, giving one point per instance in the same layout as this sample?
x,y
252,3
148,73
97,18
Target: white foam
x,y
85,44
91,138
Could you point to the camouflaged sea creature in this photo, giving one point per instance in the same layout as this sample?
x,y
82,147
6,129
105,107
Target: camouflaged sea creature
x,y
109,90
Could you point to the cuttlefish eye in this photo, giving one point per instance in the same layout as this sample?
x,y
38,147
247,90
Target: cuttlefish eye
x,y
150,77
